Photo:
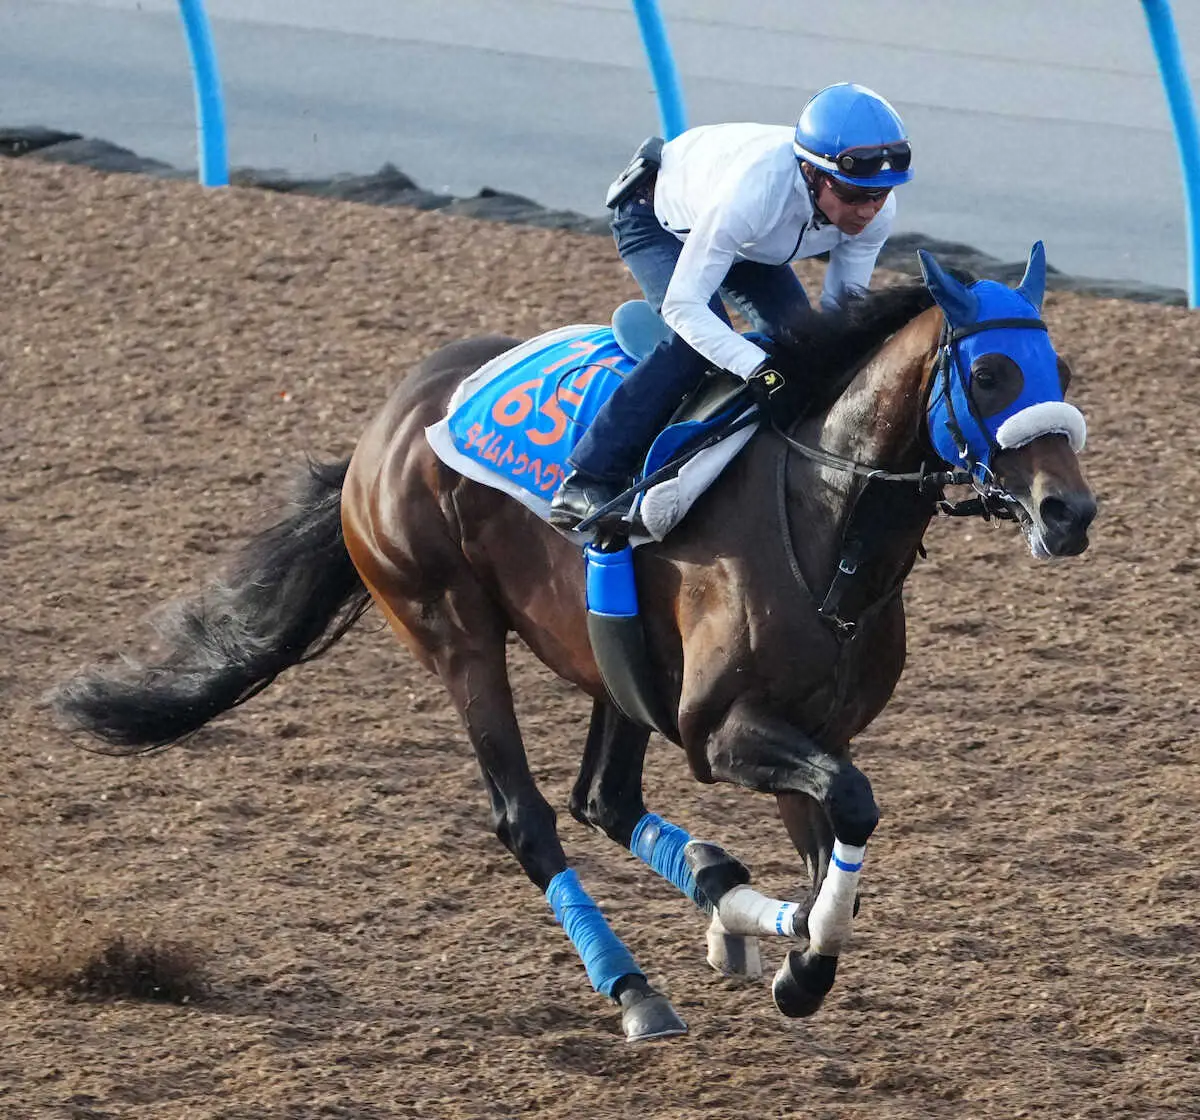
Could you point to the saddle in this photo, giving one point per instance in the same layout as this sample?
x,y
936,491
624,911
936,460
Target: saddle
x,y
512,423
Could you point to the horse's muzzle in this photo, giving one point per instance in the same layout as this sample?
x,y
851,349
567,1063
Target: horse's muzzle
x,y
1063,521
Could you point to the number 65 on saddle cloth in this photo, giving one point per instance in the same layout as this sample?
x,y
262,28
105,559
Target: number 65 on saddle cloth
x,y
514,421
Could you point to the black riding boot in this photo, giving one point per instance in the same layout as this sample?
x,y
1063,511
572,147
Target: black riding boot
x,y
580,496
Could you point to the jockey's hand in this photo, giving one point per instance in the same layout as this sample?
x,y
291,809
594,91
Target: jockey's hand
x,y
766,384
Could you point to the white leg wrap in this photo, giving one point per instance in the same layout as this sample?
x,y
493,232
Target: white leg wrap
x,y
832,915
743,910
730,953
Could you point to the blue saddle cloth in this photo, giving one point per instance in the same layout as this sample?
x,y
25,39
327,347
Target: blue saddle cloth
x,y
524,420
520,416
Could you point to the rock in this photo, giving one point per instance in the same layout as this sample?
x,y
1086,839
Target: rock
x,y
386,187
22,141
503,206
100,155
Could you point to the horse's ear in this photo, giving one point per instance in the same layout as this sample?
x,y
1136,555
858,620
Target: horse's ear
x,y
960,304
1033,283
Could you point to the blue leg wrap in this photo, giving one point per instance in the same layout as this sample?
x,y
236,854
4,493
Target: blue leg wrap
x,y
603,953
660,844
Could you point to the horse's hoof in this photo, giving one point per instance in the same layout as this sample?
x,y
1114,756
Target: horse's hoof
x,y
715,870
650,1017
731,954
802,983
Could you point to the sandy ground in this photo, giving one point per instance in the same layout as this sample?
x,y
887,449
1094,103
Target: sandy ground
x,y
1029,943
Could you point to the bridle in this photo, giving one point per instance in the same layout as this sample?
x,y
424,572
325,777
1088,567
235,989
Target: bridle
x,y
991,500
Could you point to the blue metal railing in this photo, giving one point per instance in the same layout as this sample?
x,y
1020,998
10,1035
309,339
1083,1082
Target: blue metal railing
x,y
1187,133
214,160
210,108
1170,63
662,67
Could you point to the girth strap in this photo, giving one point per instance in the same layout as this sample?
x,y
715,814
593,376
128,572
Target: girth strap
x,y
847,569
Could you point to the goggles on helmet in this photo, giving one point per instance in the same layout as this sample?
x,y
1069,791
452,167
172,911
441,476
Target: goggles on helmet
x,y
865,162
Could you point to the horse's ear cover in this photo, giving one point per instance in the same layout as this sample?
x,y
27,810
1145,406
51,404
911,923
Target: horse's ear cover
x,y
1033,283
959,303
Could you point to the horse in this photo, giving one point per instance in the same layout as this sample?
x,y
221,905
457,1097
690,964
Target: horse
x,y
772,614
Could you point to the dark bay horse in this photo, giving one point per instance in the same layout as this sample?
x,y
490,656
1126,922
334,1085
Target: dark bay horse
x,y
773,615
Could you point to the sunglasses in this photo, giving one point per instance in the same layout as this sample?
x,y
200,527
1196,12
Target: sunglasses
x,y
866,163
856,196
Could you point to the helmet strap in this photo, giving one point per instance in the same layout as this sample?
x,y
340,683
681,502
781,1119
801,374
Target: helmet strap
x,y
813,178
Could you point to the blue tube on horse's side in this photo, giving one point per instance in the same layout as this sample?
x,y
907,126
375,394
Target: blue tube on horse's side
x,y
611,589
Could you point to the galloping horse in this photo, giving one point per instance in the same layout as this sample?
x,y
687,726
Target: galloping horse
x,y
773,616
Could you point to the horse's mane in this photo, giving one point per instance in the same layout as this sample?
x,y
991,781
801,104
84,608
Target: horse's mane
x,y
820,352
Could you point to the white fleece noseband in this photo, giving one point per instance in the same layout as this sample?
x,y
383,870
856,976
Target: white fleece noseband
x,y
1046,418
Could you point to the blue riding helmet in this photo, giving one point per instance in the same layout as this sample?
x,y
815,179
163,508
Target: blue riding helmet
x,y
853,134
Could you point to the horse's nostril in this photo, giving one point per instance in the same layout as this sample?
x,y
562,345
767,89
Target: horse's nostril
x,y
1055,513
1068,515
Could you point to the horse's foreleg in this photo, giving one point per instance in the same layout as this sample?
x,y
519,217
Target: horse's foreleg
x,y
608,796
772,757
811,834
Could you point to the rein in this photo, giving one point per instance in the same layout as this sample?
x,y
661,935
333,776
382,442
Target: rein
x,y
843,629
927,481
989,501
853,544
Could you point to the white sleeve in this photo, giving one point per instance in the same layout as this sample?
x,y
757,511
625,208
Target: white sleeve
x,y
852,260
709,252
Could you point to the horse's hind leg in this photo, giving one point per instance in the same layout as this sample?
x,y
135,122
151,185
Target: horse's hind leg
x,y
608,796
463,639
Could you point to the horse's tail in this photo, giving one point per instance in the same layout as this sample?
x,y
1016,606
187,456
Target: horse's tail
x,y
290,593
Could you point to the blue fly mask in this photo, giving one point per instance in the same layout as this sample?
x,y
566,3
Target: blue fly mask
x,y
997,383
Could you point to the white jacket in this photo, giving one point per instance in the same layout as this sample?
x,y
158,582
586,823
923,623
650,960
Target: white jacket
x,y
735,192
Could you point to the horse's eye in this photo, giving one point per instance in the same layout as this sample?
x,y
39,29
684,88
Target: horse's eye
x,y
996,382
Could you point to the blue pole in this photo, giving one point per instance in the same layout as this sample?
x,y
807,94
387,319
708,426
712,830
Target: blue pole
x,y
662,67
1187,133
210,110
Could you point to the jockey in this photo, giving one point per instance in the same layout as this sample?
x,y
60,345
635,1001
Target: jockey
x,y
722,212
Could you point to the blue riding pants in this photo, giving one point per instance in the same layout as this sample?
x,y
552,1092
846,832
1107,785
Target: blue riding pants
x,y
617,440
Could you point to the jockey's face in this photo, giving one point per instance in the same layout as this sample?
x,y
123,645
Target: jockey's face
x,y
849,208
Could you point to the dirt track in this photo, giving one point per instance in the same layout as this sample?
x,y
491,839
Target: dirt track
x,y
1030,937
